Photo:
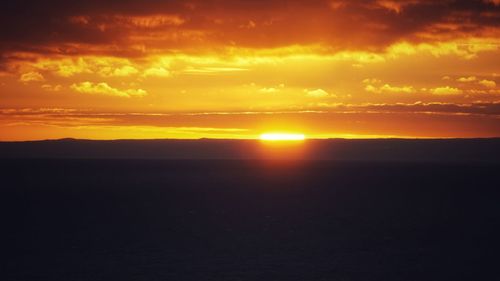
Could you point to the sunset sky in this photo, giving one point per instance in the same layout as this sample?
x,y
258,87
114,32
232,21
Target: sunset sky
x,y
238,68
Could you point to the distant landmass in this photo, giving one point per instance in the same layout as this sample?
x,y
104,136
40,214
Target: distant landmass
x,y
404,150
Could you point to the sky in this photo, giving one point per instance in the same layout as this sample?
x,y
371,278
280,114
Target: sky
x,y
134,69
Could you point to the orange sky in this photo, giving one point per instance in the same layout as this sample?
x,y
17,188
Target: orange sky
x,y
236,69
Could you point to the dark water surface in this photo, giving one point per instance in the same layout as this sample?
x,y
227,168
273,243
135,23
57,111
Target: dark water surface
x,y
248,220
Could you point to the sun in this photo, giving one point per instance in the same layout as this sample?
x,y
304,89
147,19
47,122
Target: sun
x,y
282,137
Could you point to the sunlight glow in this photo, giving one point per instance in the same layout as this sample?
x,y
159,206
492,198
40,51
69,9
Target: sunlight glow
x,y
282,137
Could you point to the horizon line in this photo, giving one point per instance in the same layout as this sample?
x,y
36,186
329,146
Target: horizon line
x,y
252,139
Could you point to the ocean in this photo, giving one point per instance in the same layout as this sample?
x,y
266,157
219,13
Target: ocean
x,y
244,219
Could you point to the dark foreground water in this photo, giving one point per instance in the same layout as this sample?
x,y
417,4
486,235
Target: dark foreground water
x,y
248,220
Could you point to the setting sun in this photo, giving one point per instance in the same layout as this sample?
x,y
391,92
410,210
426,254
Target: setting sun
x,y
282,137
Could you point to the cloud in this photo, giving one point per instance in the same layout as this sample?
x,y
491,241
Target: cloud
x,y
494,2
31,77
132,28
249,25
467,79
375,86
123,71
476,108
474,91
372,81
181,119
156,72
437,108
396,6
153,21
68,66
51,88
65,67
317,93
488,83
211,70
270,90
447,90
104,89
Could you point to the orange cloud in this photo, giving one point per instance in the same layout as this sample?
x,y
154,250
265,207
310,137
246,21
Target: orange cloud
x,y
317,93
31,77
447,90
52,88
396,6
154,21
467,79
156,72
104,89
139,27
376,86
488,83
